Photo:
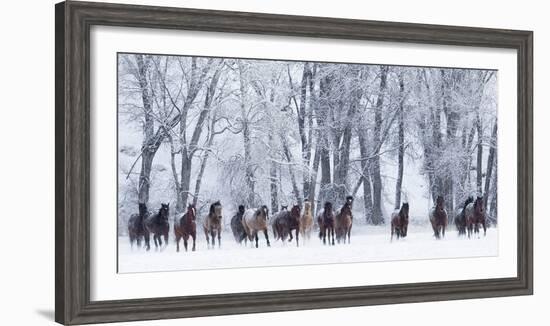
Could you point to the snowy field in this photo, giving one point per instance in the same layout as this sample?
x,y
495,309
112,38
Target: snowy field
x,y
368,244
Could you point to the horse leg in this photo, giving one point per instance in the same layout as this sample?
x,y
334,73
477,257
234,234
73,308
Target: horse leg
x,y
185,243
177,243
131,242
147,241
266,239
443,231
297,238
484,228
213,236
194,236
207,239
219,238
155,239
256,237
166,239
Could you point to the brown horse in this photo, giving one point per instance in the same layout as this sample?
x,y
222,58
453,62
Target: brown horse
x,y
186,227
344,221
400,221
460,219
306,221
284,222
212,225
136,227
438,218
475,215
158,225
255,220
325,220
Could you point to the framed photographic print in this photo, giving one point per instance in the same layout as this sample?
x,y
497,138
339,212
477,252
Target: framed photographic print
x,y
215,162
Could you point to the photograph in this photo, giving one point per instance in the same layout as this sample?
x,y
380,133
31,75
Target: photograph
x,y
227,162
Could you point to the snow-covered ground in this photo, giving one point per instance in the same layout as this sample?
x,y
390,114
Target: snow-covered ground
x,y
368,244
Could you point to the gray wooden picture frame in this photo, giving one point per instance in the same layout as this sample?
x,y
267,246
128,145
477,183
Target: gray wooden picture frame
x,y
72,171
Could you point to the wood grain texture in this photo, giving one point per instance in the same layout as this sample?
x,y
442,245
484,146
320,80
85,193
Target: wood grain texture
x,y
72,179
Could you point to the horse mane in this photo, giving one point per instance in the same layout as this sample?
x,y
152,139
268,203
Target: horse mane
x,y
468,201
142,210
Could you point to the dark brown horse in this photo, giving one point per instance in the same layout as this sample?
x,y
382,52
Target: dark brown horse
x,y
460,219
400,221
254,221
285,222
475,216
325,220
186,227
212,225
136,226
237,225
158,225
438,218
344,221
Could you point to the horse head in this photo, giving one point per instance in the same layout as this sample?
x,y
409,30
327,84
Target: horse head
x,y
216,210
295,212
328,214
164,211
241,209
478,205
264,212
440,203
405,210
404,219
349,200
307,206
284,207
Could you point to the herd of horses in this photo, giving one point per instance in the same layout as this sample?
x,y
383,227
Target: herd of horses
x,y
246,224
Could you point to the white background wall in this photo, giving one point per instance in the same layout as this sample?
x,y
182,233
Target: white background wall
x,y
27,160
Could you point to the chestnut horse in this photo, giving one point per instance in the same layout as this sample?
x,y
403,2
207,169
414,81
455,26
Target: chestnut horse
x,y
237,225
186,227
212,225
400,221
306,221
158,225
325,220
438,218
475,215
284,222
255,220
460,219
136,226
344,221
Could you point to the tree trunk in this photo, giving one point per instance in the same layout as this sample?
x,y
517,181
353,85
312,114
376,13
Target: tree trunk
x,y
323,144
490,160
288,157
149,148
377,217
479,160
401,141
367,191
